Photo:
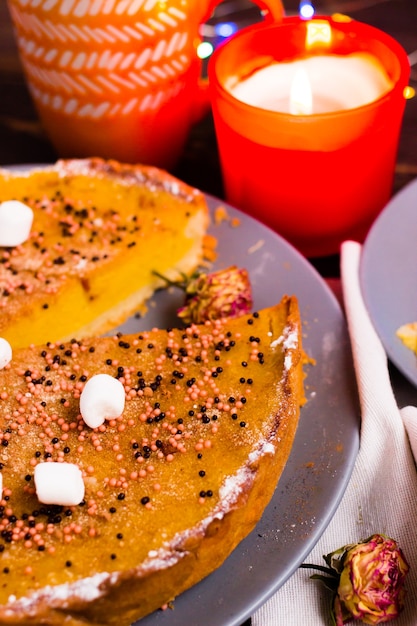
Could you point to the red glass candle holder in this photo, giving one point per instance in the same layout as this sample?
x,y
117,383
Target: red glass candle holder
x,y
316,179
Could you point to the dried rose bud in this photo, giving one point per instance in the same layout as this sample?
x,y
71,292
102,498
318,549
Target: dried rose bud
x,y
371,585
225,293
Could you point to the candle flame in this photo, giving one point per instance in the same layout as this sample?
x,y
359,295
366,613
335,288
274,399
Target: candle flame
x,y
319,32
301,96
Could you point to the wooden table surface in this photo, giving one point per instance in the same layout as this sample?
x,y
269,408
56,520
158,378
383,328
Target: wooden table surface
x,y
23,141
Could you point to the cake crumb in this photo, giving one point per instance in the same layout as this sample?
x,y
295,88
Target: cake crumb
x,y
220,215
209,248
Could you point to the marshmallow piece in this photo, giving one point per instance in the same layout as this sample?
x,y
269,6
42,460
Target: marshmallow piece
x,y
103,397
5,353
1,484
15,222
59,483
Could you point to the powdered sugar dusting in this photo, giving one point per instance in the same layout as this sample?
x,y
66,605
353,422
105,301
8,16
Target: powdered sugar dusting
x,y
161,559
266,448
276,342
290,338
86,589
287,362
289,341
233,485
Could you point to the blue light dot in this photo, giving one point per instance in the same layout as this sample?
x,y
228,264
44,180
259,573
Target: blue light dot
x,y
225,29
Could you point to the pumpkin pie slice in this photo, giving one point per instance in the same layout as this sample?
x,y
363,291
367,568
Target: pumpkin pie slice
x,y
172,485
100,229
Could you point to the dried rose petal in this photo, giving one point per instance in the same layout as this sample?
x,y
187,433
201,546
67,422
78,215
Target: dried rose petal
x,y
371,586
225,293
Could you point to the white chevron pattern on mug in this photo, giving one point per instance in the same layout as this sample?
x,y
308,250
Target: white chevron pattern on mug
x,y
77,81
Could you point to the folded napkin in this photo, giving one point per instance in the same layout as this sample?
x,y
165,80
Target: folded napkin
x,y
381,496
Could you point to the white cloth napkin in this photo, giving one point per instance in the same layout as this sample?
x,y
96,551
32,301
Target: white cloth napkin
x,y
381,496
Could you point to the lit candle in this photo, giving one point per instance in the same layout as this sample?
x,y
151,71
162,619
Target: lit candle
x,y
328,82
307,116
300,96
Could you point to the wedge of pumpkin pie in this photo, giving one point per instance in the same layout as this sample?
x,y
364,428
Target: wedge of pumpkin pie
x,y
132,465
99,230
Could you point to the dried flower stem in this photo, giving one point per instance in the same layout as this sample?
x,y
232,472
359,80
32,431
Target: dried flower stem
x,y
320,568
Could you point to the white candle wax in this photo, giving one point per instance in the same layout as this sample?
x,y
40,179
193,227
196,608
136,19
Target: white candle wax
x,y
336,82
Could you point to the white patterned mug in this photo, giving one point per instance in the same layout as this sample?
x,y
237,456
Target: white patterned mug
x,y
116,78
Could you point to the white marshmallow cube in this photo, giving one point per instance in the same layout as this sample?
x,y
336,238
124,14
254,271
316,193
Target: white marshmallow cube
x,y
103,397
59,483
5,353
16,221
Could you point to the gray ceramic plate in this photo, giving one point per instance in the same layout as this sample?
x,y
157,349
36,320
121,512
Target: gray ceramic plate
x,y
389,277
326,443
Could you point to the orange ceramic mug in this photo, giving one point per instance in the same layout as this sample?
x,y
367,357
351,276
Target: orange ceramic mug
x,y
116,78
